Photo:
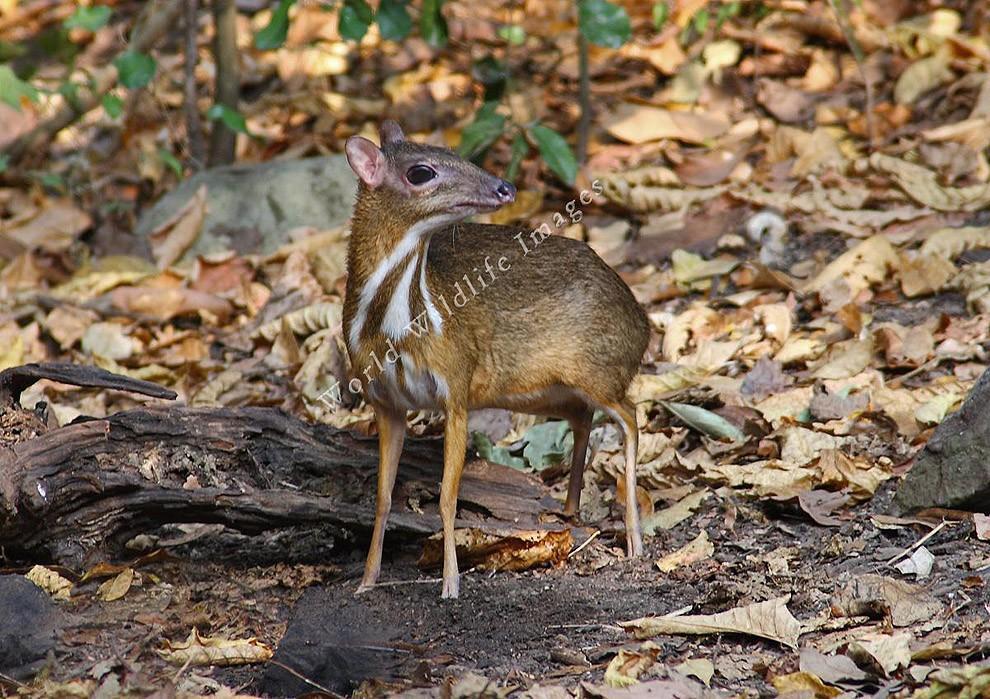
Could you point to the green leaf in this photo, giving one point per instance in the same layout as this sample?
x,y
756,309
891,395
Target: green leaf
x,y
547,444
273,34
13,90
556,153
604,23
4,162
432,25
705,421
726,12
229,117
394,20
520,147
661,12
51,180
355,18
170,161
135,69
700,21
499,455
70,91
513,33
482,132
112,105
88,18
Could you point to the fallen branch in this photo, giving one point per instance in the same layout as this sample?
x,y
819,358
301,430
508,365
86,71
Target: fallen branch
x,y
159,20
15,380
90,486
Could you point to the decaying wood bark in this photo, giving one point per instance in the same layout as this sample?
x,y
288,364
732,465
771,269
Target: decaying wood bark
x,y
88,487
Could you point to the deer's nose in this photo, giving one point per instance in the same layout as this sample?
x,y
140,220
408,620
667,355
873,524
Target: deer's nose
x,y
506,192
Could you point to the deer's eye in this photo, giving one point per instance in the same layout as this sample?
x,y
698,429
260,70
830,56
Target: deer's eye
x,y
420,174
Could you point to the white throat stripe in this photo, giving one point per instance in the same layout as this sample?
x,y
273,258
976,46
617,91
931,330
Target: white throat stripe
x,y
406,245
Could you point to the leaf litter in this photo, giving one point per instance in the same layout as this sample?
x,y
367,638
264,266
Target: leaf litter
x,y
849,332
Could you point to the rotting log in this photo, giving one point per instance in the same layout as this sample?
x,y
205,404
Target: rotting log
x,y
89,486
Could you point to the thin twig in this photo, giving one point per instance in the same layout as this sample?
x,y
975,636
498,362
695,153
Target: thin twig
x,y
305,679
194,128
223,141
919,542
8,678
842,17
584,543
584,98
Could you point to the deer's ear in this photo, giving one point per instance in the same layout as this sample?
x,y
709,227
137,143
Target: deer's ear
x,y
391,132
366,160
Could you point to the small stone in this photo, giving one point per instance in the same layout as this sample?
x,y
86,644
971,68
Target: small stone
x,y
28,619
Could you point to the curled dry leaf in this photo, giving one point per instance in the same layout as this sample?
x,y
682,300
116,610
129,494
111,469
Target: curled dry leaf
x,y
950,243
921,184
771,620
197,650
177,233
50,581
501,550
624,669
304,321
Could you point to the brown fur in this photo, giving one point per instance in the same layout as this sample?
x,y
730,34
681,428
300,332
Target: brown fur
x,y
556,332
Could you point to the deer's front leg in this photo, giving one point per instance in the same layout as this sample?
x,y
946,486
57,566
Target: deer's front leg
x,y
391,433
454,449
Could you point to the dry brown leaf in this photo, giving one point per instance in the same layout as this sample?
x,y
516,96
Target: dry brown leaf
x,y
771,477
885,653
804,684
501,549
177,233
921,184
698,549
116,587
869,263
771,620
54,229
876,596
670,517
197,650
925,274
922,76
638,123
166,303
624,669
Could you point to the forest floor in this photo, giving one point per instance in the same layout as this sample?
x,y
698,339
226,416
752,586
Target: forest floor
x,y
813,257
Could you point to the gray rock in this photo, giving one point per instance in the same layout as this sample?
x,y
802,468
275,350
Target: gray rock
x,y
28,619
251,207
953,470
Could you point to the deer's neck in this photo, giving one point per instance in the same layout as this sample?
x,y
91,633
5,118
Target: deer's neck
x,y
387,286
